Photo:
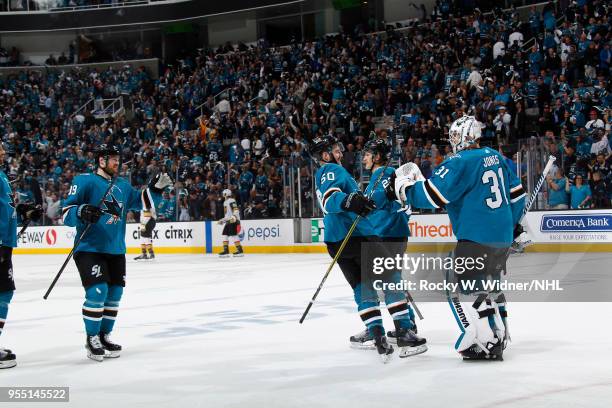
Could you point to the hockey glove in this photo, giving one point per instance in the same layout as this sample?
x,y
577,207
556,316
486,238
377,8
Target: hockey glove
x,y
518,230
28,211
405,177
358,203
390,188
89,213
222,221
160,182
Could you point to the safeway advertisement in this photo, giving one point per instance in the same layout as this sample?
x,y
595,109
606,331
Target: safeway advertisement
x,y
47,237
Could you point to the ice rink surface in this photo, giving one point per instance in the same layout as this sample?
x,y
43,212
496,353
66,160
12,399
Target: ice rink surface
x,y
199,331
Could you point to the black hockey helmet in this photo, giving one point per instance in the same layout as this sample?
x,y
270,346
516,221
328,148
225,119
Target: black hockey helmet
x,y
107,149
377,146
322,144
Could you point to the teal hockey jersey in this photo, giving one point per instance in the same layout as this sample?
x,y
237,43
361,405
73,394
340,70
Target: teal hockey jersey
x,y
333,184
483,196
108,234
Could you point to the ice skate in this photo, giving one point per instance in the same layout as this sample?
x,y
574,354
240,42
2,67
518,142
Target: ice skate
x,y
7,359
392,334
409,343
362,341
95,351
113,350
142,257
385,350
238,253
151,255
224,254
475,353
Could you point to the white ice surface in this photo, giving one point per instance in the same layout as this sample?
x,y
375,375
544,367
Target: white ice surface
x,y
198,331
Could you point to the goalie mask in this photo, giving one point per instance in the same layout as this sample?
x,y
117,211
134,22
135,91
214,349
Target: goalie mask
x,y
464,132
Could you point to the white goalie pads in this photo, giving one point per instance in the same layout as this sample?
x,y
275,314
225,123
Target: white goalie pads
x,y
473,319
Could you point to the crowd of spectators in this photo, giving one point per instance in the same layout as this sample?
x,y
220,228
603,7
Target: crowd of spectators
x,y
242,117
36,5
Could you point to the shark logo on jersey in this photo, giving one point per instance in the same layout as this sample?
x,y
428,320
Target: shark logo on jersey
x,y
10,274
113,208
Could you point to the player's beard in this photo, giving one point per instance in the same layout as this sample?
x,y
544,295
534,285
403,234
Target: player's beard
x,y
109,170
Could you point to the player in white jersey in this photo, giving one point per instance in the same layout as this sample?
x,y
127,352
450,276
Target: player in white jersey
x,y
232,224
151,197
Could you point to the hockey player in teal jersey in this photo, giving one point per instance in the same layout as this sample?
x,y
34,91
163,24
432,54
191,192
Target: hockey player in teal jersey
x,y
151,197
9,214
342,201
100,256
390,221
484,200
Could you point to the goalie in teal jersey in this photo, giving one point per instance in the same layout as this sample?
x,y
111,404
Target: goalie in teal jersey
x,y
484,200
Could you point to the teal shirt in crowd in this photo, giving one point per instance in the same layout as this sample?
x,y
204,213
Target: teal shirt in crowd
x,y
556,197
578,194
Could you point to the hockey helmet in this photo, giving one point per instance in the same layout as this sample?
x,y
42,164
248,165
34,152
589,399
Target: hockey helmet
x,y
107,149
377,146
226,193
464,132
322,144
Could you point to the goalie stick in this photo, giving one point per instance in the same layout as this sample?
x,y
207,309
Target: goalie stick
x,y
534,194
538,186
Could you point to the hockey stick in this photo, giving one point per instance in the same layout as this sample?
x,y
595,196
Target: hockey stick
x,y
414,305
78,241
23,228
538,186
335,259
534,194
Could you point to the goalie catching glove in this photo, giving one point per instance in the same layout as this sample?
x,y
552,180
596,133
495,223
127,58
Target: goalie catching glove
x,y
404,177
